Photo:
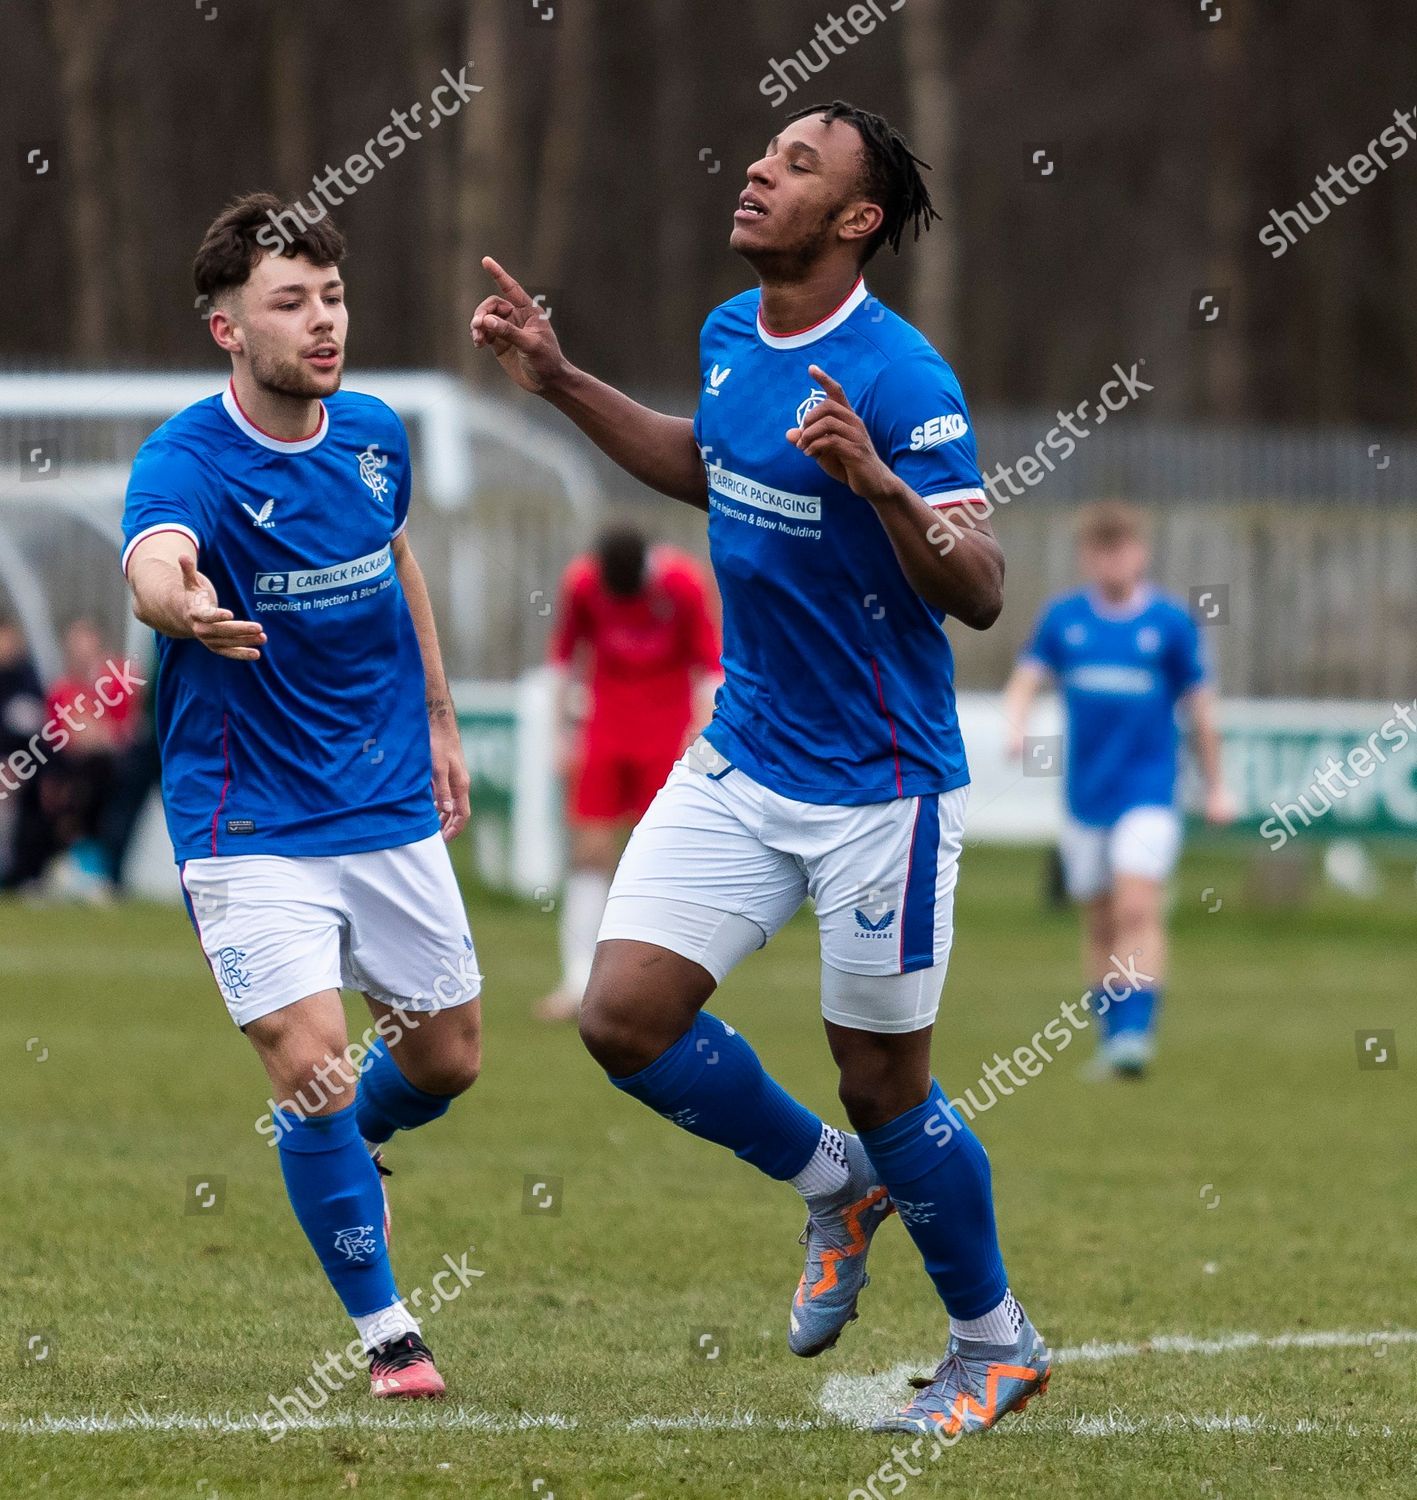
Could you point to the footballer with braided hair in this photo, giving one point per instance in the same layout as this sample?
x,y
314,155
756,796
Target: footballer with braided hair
x,y
830,440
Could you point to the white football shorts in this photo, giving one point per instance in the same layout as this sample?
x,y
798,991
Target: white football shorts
x,y
389,922
719,863
1145,841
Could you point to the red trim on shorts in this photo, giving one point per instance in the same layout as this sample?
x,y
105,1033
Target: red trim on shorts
x,y
895,748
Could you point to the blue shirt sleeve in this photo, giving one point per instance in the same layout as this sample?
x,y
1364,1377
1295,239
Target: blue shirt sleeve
x,y
1185,655
917,419
703,384
403,495
165,493
1045,646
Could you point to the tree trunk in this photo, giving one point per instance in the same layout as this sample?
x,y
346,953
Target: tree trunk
x,y
487,212
80,30
934,262
675,232
567,123
288,85
1226,375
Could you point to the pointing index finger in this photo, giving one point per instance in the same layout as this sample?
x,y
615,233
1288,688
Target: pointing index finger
x,y
512,289
829,385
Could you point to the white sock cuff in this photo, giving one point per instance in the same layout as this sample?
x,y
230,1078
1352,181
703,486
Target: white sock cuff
x,y
826,1171
1001,1325
388,1323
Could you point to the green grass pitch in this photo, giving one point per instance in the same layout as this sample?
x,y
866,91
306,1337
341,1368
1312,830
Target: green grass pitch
x,y
1260,1181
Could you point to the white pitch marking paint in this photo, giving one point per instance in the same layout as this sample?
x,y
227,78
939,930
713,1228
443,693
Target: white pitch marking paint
x,y
849,1400
857,1400
1226,1343
1113,1423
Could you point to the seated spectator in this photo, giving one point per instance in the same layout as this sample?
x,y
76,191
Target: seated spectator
x,y
21,717
90,720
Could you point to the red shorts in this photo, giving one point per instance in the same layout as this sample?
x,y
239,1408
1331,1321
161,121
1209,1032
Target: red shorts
x,y
610,785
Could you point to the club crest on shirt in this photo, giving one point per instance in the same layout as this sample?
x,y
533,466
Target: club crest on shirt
x,y
814,399
372,464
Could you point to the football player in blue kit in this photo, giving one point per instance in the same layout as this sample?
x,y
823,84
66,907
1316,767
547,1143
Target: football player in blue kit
x,y
312,768
1126,658
831,445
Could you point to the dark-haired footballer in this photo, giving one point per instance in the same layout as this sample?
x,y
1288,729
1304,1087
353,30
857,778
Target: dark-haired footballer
x,y
309,790
829,439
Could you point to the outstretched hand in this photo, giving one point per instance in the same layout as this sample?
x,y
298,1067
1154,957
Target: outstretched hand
x,y
216,628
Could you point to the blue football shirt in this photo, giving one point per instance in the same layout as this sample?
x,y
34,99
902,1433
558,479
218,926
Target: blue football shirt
x,y
838,679
1121,674
321,747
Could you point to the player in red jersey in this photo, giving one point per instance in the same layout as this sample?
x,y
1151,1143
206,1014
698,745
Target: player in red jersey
x,y
633,621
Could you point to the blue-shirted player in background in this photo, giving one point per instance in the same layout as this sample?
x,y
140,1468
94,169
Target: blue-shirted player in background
x,y
830,443
308,786
1126,657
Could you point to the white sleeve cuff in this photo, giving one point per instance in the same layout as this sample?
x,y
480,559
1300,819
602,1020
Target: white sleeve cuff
x,y
148,531
972,494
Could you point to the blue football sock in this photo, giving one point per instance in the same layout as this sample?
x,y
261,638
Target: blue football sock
x,y
386,1101
938,1177
1133,1013
334,1190
711,1083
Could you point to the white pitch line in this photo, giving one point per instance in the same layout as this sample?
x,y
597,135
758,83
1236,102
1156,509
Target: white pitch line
x,y
857,1400
1226,1343
427,1418
845,1400
1112,1423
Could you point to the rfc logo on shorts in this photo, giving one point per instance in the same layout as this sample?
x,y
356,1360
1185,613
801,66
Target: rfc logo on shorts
x,y
230,975
372,464
357,1244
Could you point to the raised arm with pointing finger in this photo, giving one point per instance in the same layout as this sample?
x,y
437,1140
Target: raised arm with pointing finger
x,y
659,450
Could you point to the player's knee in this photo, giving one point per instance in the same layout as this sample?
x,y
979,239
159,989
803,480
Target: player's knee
x,y
874,1092
453,1074
1133,912
869,1104
611,1033
454,1064
316,1080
